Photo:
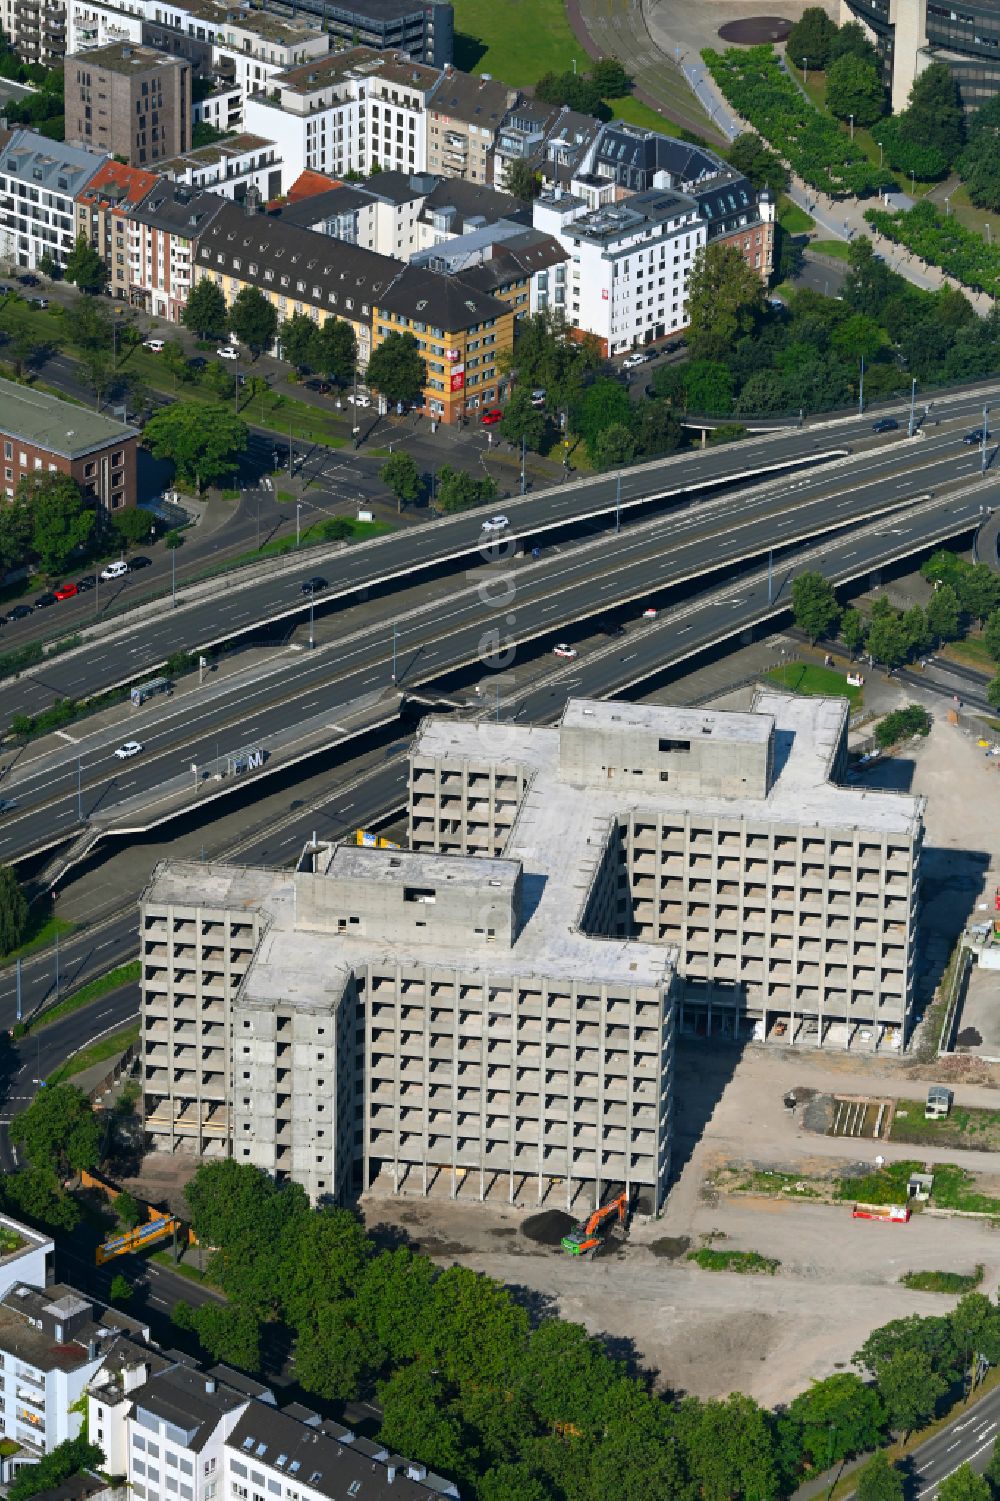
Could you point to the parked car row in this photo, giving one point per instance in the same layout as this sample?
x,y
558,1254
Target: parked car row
x,y
116,570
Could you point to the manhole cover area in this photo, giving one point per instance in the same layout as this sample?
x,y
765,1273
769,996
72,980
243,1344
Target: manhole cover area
x,y
753,30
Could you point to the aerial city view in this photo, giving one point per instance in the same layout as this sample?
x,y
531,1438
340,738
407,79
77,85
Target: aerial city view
x,y
499,750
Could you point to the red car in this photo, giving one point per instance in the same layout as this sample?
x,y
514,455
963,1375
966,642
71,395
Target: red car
x,y
65,591
493,415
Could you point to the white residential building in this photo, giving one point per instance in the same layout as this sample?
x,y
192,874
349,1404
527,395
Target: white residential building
x,y
229,168
39,182
354,111
53,1340
163,1425
629,262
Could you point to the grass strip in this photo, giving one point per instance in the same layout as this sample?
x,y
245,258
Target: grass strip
x,y
98,1052
40,937
808,679
943,1282
125,974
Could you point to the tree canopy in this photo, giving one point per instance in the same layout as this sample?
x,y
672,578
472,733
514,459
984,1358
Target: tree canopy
x,y
253,319
397,369
62,519
854,88
725,300
58,1131
85,267
13,911
203,441
205,311
814,605
811,39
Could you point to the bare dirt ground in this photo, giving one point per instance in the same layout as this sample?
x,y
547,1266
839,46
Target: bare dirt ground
x,y
712,1333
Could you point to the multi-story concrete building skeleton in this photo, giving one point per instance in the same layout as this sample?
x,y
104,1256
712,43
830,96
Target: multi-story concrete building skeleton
x,y
437,1021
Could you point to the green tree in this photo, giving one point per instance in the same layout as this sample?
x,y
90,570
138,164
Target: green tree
x,y
811,38
66,1459
298,341
205,311
229,1333
763,167
128,1209
13,911
61,518
879,1480
964,1485
173,539
729,1449
335,351
97,371
132,525
993,693
203,442
944,618
402,476
175,361
975,1324
992,1472
910,1389
397,370
58,1131
121,1291
615,446
391,1301
253,319
916,630
15,534
417,1418
48,265
219,379
521,180
979,163
87,324
814,605
609,76
887,641
85,268
660,431
708,387
838,1417
725,301
978,591
869,280
934,117
853,87
859,336
457,489
36,1195
851,41
853,630
604,404
521,421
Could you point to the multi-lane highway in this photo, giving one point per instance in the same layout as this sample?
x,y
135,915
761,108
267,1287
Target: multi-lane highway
x,y
296,706
222,612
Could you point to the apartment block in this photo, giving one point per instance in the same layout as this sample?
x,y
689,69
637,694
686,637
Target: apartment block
x,y
53,1340
790,899
424,29
36,29
102,217
416,1022
229,168
40,434
163,232
466,113
40,181
131,102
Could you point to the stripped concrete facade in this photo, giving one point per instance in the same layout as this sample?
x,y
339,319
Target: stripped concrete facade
x,y
493,1011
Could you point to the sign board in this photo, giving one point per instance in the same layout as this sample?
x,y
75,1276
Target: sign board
x,y
458,378
451,354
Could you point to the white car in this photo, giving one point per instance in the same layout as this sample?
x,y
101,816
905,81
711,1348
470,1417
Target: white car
x,y
495,524
361,400
228,352
562,650
128,750
632,361
116,570
650,614
156,345
538,397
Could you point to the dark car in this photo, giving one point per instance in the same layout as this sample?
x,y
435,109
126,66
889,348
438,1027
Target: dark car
x,y
29,280
313,585
87,582
885,425
977,435
44,600
198,363
673,345
322,386
5,290
40,302
140,562
19,612
610,627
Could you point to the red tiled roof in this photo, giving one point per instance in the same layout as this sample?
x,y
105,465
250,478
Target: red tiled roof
x,y
134,180
308,184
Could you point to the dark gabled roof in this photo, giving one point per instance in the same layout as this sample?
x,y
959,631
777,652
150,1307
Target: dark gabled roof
x,y
305,212
334,269
195,1401
447,302
515,260
328,1460
178,209
476,101
470,198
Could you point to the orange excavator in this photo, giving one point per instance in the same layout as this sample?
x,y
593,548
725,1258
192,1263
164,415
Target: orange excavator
x,y
585,1238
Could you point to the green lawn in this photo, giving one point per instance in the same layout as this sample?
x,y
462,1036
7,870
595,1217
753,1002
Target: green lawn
x,y
40,935
838,249
98,1052
971,652
863,139
807,678
794,220
634,112
361,531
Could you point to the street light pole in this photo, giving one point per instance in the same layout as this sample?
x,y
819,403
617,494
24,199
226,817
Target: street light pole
x,y
852,127
57,964
805,68
522,464
986,412
312,637
298,522
79,790
913,407
770,576
394,652
173,577
861,388
618,503
18,985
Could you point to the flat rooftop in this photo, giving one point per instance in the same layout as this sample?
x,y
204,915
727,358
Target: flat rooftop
x,y
673,723
131,57
807,734
58,426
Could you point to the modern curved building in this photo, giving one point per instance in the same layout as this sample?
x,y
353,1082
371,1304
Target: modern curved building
x,y
912,34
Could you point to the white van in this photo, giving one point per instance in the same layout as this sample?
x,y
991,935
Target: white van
x,y
115,570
